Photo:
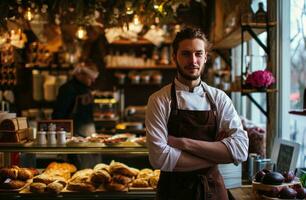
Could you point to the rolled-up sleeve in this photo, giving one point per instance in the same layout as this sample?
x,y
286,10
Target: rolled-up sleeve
x,y
161,155
236,139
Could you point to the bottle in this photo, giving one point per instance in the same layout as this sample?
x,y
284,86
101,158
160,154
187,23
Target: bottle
x,y
261,14
247,14
61,136
41,137
51,134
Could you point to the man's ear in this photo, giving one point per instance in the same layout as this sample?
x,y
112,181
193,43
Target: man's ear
x,y
205,58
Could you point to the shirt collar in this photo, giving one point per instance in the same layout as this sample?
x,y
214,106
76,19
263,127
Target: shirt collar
x,y
181,86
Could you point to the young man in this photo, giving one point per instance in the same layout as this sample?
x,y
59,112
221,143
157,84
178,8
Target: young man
x,y
192,127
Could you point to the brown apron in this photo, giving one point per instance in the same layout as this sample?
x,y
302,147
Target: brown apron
x,y
201,184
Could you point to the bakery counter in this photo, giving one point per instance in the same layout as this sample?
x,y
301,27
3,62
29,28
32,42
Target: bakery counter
x,y
135,195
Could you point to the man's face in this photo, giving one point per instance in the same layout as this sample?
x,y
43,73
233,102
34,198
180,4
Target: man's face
x,y
190,58
86,79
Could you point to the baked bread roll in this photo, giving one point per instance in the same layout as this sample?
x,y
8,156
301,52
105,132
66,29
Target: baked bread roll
x,y
61,166
81,181
58,173
24,174
120,168
86,187
156,172
8,172
141,182
101,166
38,187
82,176
118,178
48,178
101,176
113,186
153,181
55,187
12,184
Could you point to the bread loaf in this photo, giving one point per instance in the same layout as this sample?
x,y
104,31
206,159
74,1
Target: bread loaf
x,y
124,180
113,186
88,187
101,166
120,168
141,182
7,172
47,179
55,187
38,187
81,181
153,181
62,167
24,174
101,176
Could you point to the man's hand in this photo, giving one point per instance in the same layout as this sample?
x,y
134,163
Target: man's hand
x,y
176,142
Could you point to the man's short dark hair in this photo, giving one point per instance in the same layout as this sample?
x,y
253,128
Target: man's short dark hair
x,y
189,33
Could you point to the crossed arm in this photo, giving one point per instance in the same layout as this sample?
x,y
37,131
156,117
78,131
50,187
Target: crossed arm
x,y
211,152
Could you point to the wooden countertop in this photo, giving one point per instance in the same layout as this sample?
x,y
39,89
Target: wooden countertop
x,y
242,193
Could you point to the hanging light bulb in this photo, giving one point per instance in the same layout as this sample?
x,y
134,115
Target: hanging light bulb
x,y
81,33
128,8
28,14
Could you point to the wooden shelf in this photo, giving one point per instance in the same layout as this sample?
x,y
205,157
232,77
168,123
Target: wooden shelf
x,y
49,68
141,41
233,38
142,67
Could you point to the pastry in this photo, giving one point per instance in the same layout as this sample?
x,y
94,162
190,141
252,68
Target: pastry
x,y
113,186
146,171
81,181
55,187
58,173
140,182
82,176
101,166
47,178
7,172
153,180
88,187
38,187
156,172
62,166
120,168
101,176
122,179
24,174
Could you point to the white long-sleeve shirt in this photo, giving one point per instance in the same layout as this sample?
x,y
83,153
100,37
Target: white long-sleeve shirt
x,y
165,157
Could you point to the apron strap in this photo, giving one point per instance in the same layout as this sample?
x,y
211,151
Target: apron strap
x,y
174,100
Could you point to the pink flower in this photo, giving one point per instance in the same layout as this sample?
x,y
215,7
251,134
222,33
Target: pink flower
x,y
260,78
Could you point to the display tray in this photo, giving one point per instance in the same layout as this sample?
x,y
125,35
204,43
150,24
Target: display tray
x,y
141,189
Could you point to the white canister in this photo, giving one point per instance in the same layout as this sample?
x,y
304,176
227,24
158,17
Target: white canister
x,y
41,137
51,136
61,136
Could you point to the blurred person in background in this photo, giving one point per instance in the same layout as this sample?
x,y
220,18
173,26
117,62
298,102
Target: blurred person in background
x,y
75,101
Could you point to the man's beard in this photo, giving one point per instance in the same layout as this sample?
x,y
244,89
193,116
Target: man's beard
x,y
187,76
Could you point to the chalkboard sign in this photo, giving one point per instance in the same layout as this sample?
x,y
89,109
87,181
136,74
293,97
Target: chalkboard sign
x,y
285,155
